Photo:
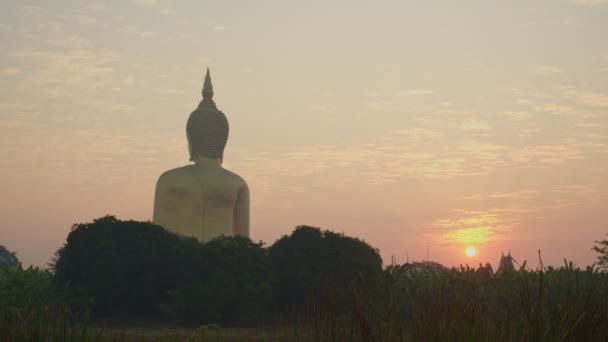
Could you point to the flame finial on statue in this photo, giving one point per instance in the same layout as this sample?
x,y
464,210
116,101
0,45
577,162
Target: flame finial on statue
x,y
208,87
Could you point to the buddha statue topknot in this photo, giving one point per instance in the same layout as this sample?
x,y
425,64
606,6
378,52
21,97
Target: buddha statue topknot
x,y
203,200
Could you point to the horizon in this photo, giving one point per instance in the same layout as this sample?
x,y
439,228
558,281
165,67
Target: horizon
x,y
407,124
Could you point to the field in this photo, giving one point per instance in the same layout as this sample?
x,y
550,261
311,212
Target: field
x,y
407,304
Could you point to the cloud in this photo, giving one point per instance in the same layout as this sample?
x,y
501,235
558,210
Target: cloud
x,y
86,20
529,131
474,124
525,204
328,108
529,93
585,191
590,2
166,11
78,156
68,66
586,97
69,76
137,31
413,92
10,71
17,114
218,28
91,8
400,154
557,109
433,146
166,90
518,115
41,29
548,70
376,105
519,195
476,235
36,11
471,227
418,135
545,154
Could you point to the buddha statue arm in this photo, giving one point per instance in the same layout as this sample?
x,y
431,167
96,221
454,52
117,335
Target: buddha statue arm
x,y
240,219
157,215
160,204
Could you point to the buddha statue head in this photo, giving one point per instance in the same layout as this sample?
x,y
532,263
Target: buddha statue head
x,y
207,127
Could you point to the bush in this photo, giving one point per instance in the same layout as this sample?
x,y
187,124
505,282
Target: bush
x,y
312,264
226,280
126,267
32,308
8,259
602,249
131,268
26,290
140,269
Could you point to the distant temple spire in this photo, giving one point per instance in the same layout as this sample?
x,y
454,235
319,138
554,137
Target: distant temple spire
x,y
207,87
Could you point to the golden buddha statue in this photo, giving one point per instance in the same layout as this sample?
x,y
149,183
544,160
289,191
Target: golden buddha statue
x,y
203,200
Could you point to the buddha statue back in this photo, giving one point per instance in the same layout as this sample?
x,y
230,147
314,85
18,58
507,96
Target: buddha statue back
x,y
203,200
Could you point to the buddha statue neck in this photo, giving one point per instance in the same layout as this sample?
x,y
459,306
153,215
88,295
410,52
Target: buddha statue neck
x,y
202,161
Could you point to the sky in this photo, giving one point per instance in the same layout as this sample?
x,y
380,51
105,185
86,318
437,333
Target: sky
x,y
421,127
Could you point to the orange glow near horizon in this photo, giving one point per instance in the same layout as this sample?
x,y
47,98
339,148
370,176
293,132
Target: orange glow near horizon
x,y
472,227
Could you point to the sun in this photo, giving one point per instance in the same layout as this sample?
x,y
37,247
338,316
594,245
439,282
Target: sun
x,y
471,251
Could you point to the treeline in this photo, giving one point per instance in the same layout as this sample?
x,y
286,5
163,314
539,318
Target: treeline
x,y
326,286
139,269
8,259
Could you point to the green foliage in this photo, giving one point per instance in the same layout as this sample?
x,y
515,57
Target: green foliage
x,y
8,259
32,308
226,280
550,304
137,268
25,291
312,264
602,250
126,267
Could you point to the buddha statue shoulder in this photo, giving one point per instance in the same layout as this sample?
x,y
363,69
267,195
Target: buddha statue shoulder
x,y
203,200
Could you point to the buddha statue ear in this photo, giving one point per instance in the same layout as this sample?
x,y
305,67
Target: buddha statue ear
x,y
190,151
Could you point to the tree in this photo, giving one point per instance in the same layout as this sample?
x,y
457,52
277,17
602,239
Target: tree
x,y
140,269
311,264
8,259
602,250
126,267
226,280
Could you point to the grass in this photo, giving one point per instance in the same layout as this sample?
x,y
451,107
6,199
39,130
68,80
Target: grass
x,y
465,304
